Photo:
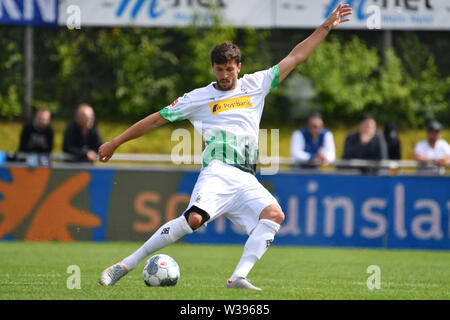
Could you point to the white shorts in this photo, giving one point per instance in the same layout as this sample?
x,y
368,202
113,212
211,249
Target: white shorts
x,y
222,189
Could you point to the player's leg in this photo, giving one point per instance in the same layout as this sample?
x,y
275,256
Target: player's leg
x,y
257,244
167,234
196,217
203,206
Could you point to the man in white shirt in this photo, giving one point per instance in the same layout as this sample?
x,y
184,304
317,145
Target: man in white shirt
x,y
313,144
433,151
227,113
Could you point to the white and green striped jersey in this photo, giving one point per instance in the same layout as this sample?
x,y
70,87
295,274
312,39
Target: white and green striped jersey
x,y
228,120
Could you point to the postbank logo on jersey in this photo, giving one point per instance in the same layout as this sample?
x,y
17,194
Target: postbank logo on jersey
x,y
231,104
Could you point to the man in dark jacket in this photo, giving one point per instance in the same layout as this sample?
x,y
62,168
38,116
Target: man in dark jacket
x,y
81,138
367,143
37,136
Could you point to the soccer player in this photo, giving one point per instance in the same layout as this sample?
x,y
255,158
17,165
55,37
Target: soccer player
x,y
227,112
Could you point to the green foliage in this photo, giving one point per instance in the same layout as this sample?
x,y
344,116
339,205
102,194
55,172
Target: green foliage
x,y
198,43
10,104
342,75
128,73
351,79
140,61
10,75
391,93
430,92
121,72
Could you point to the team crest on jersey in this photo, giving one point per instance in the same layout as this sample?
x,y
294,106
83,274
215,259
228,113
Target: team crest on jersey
x,y
231,104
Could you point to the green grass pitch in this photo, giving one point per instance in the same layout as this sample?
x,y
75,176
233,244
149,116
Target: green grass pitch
x,y
33,270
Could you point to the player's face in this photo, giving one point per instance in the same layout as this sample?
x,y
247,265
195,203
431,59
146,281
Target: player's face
x,y
226,75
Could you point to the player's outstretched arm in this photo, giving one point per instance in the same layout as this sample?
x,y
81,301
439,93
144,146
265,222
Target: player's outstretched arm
x,y
138,129
307,46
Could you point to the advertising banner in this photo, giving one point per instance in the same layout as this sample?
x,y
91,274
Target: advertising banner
x,y
367,14
362,211
129,205
29,12
168,13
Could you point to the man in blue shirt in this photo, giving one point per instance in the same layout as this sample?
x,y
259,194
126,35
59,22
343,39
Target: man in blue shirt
x,y
313,145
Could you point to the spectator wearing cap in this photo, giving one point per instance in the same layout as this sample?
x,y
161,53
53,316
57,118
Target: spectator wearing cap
x,y
313,144
434,150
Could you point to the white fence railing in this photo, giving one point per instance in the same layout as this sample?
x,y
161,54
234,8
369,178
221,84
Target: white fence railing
x,y
391,166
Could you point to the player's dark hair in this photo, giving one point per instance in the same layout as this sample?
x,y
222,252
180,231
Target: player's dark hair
x,y
225,52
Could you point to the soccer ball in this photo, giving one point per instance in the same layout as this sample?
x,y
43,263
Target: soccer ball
x,y
161,270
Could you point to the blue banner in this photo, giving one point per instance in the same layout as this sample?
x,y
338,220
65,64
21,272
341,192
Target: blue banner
x,y
99,204
29,12
353,211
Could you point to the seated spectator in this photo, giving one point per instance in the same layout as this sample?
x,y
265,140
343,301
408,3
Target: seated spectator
x,y
313,144
36,138
81,137
434,150
392,141
367,143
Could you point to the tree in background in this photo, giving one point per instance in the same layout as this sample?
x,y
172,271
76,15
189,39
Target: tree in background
x,y
127,73
11,80
350,80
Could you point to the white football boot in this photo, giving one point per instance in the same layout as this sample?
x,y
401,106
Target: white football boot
x,y
241,283
112,274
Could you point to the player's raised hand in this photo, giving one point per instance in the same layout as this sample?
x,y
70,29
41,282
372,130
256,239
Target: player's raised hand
x,y
337,16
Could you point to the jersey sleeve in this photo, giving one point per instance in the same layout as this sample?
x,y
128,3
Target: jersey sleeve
x,y
266,79
272,78
178,110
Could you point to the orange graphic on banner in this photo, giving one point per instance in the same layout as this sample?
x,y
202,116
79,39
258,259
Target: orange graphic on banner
x,y
174,202
56,213
20,196
53,217
153,215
